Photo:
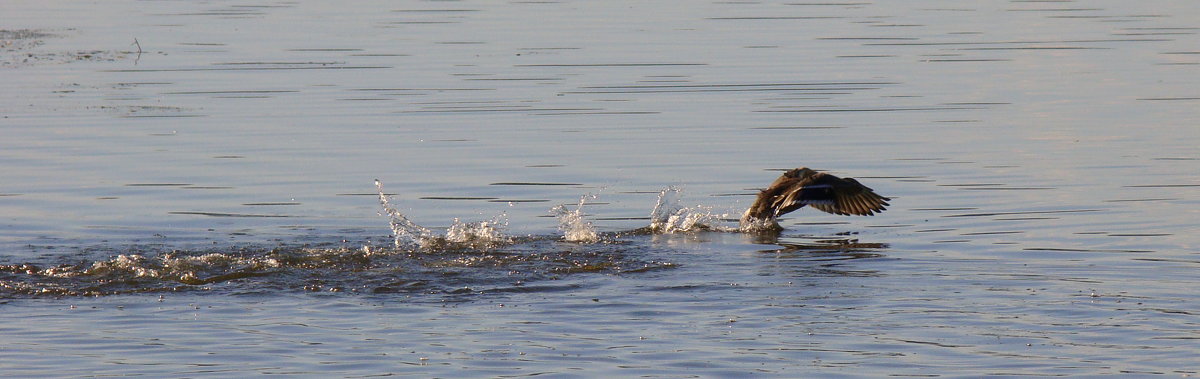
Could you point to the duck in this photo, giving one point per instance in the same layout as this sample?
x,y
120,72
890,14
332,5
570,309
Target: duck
x,y
803,186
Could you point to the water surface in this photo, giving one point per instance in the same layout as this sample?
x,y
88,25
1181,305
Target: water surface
x,y
188,188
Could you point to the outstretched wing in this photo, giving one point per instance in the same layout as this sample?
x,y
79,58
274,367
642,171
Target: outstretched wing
x,y
830,194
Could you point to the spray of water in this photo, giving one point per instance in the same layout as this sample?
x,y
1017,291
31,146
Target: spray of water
x,y
409,236
573,226
406,234
480,232
670,216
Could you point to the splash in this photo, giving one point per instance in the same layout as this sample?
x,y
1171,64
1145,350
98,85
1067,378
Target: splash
x,y
670,216
480,232
573,226
406,234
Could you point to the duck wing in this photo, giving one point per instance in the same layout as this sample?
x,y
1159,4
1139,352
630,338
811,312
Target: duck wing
x,y
829,194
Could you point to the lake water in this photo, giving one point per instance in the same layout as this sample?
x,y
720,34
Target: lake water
x,y
188,188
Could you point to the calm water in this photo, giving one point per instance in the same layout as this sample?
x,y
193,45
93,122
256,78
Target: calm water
x,y
188,188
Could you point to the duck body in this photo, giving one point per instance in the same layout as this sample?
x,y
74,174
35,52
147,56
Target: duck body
x,y
803,186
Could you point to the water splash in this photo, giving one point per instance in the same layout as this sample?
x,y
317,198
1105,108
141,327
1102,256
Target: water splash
x,y
406,234
670,216
480,232
573,226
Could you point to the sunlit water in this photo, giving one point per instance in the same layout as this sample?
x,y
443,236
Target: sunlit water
x,y
187,188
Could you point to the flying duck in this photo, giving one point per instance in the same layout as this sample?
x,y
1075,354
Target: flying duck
x,y
804,186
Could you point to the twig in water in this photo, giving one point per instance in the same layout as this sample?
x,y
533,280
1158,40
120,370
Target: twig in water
x,y
139,51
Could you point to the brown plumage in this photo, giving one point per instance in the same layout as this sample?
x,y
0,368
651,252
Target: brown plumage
x,y
803,186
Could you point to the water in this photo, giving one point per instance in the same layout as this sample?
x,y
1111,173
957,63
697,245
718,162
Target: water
x,y
188,188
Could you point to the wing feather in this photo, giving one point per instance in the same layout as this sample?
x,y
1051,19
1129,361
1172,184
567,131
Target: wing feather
x,y
802,187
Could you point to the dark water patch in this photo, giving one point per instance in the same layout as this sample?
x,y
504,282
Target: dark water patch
x,y
968,60
501,110
1054,9
434,10
1153,33
1030,42
944,209
752,18
1140,234
207,187
218,12
456,198
335,49
420,22
541,79
157,184
229,92
431,89
533,184
25,34
971,185
798,109
991,233
609,64
246,69
567,113
1024,218
989,214
277,63
869,38
851,4
1006,188
449,270
1063,249
736,87
518,201
795,127
380,55
1168,98
221,214
1173,260
1162,186
270,204
161,115
1140,200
